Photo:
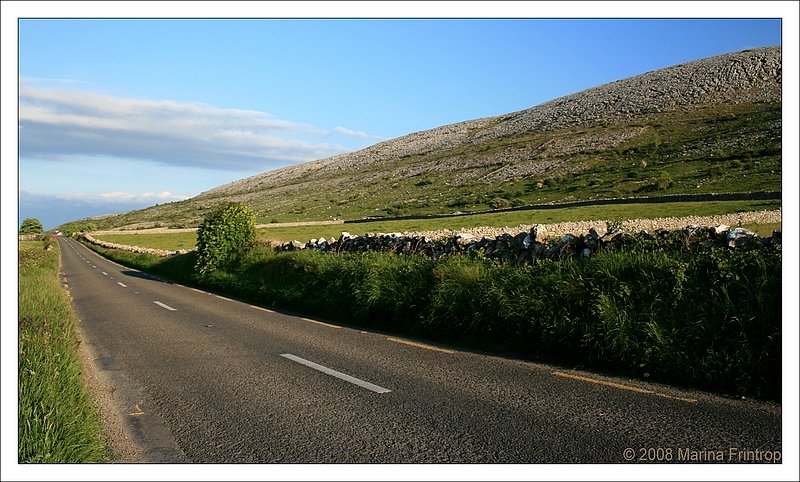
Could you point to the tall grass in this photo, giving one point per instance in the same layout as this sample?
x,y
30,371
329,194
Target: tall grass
x,y
57,421
702,317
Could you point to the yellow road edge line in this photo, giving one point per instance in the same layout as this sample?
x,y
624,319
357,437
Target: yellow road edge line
x,y
603,382
261,309
621,386
321,323
419,345
682,399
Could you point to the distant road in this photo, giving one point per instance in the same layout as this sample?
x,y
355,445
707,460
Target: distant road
x,y
200,378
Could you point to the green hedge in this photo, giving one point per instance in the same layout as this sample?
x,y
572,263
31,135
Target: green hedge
x,y
706,318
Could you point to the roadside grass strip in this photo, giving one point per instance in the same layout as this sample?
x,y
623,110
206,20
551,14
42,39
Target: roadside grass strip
x,y
57,420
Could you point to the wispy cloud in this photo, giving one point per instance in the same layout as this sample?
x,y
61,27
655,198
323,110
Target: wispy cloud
x,y
123,197
350,133
356,134
55,209
56,124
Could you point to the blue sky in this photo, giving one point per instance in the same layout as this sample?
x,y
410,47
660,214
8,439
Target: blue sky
x,y
116,115
119,114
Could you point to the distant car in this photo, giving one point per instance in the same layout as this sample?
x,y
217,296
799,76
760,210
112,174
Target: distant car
x,y
57,234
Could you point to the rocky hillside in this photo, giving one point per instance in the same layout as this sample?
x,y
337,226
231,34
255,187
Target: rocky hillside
x,y
712,125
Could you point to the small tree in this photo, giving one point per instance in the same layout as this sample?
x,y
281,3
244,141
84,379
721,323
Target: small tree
x,y
72,227
227,232
31,226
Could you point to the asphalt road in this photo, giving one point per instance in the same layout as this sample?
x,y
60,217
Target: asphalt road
x,y
200,378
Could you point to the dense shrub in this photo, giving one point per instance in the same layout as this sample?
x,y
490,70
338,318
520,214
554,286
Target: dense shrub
x,y
707,317
229,231
31,226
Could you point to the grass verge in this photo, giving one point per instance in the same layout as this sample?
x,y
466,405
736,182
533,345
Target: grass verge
x,y
57,420
699,317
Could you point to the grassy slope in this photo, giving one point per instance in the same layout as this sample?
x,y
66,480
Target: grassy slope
x,y
57,421
676,148
711,149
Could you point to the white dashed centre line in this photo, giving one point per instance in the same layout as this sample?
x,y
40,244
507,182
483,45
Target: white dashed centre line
x,y
104,273
334,373
121,284
167,307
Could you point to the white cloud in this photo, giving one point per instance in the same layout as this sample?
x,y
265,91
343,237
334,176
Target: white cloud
x,y
356,134
347,132
55,209
165,195
56,124
123,197
109,196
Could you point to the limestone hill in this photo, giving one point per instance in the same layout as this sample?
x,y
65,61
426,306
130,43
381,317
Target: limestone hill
x,y
711,125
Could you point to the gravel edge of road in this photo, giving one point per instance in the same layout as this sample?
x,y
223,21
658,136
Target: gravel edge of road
x,y
113,396
115,432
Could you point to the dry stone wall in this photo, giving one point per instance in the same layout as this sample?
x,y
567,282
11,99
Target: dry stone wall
x,y
629,226
133,249
555,241
527,242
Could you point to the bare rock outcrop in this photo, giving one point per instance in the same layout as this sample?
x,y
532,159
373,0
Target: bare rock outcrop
x,y
749,76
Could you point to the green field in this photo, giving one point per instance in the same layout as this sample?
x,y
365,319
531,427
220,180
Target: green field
x,y
175,241
57,420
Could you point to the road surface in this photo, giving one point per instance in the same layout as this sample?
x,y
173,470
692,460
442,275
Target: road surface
x,y
201,378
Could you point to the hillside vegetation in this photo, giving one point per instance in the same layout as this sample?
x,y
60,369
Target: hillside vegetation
x,y
712,125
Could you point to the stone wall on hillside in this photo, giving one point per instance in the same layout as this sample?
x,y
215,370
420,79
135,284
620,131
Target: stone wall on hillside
x,y
547,241
133,249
